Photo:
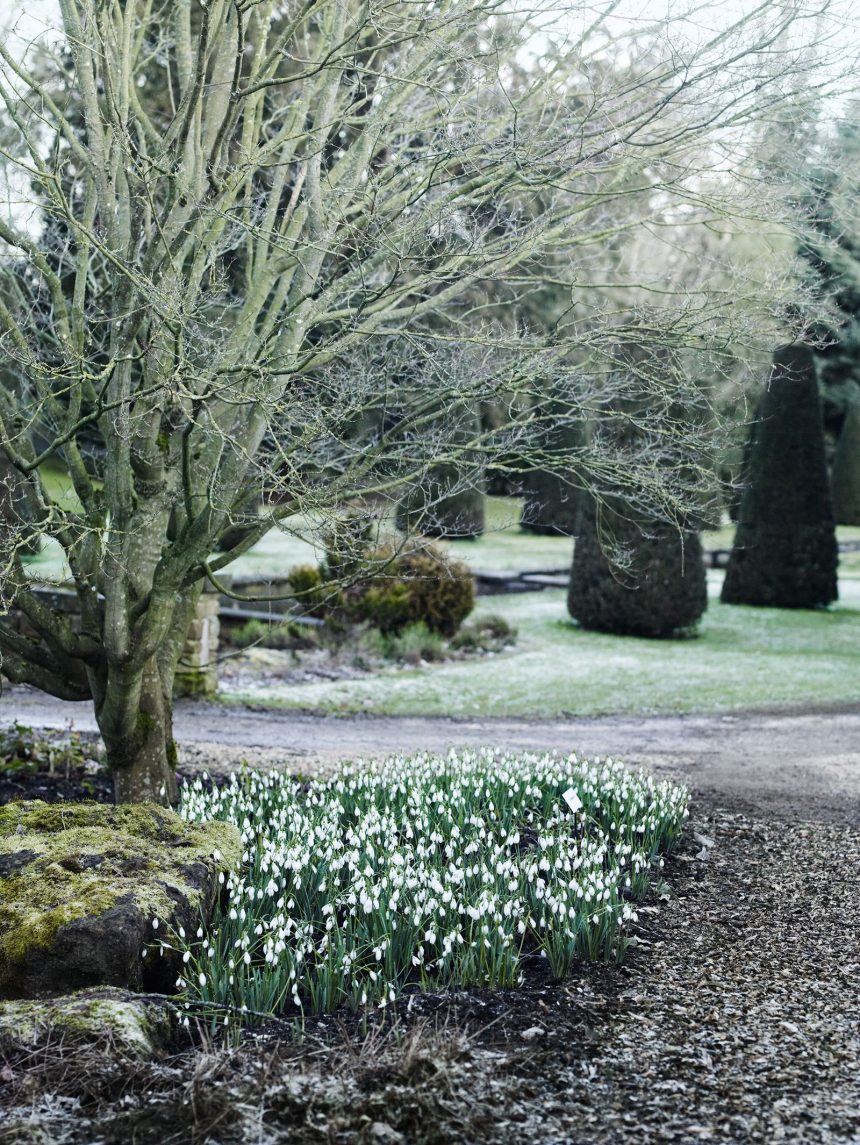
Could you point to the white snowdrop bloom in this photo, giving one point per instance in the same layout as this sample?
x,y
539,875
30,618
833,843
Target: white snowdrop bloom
x,y
413,842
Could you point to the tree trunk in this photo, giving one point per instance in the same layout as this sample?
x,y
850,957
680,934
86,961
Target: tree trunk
x,y
137,730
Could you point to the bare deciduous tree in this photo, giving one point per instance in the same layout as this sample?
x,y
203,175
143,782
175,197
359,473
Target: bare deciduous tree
x,y
266,233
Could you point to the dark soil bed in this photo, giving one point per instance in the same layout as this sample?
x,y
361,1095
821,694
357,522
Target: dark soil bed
x,y
735,1018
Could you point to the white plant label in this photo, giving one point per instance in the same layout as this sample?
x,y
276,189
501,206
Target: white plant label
x,y
572,799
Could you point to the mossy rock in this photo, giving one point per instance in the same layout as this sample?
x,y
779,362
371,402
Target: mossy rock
x,y
136,1027
81,883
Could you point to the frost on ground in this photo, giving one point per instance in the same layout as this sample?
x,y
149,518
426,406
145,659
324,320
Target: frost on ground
x,y
733,1019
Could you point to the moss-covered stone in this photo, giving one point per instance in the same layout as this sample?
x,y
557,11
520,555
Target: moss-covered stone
x,y
81,883
132,1026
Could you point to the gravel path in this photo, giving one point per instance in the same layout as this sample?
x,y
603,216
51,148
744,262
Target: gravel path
x,y
735,1020
782,761
741,1022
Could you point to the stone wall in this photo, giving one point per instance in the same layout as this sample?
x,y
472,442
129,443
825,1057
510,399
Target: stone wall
x,y
197,674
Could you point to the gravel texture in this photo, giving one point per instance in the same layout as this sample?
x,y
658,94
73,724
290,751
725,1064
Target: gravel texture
x,y
735,1018
777,760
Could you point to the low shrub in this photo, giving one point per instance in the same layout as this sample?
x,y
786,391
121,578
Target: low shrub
x,y
441,589
488,634
390,589
427,872
283,635
414,643
347,545
315,595
387,606
24,749
410,645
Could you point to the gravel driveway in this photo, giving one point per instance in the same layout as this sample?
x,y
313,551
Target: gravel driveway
x,y
779,760
736,1019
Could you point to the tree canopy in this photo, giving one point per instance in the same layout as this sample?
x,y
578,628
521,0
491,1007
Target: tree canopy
x,y
258,251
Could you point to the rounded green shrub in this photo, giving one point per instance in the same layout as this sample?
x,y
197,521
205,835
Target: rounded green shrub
x,y
416,585
347,545
387,606
442,590
315,595
661,591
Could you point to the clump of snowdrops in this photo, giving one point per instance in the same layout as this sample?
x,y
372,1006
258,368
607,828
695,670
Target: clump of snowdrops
x,y
428,872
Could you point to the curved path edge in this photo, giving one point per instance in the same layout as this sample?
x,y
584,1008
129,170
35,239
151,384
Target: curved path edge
x,y
806,763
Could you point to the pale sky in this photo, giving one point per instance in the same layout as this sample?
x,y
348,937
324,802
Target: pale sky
x,y
32,17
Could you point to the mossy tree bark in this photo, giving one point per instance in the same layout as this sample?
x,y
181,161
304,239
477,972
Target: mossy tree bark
x,y
136,722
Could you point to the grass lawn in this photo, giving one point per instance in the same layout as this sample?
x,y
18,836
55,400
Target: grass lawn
x,y
743,657
503,548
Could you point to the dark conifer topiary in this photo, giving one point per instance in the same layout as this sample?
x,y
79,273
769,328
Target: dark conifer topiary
x,y
550,504
447,500
660,590
784,554
443,506
845,477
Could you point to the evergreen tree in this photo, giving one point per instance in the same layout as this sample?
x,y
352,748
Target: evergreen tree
x,y
635,578
444,505
831,248
549,504
845,475
784,553
447,500
550,494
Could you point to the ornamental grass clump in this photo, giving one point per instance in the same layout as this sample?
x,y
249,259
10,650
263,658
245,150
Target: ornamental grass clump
x,y
423,873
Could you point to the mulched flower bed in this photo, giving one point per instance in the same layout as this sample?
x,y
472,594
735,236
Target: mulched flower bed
x,y
735,1018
